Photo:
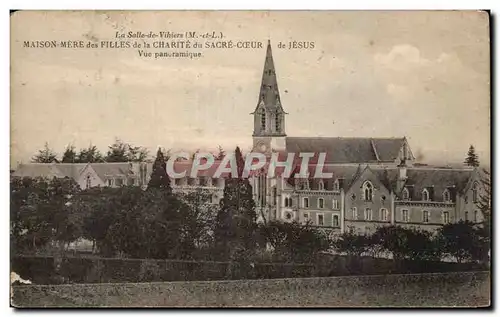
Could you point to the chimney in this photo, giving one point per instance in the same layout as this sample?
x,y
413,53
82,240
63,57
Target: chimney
x,y
402,177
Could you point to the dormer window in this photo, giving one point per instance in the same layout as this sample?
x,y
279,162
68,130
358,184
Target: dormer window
x,y
446,195
406,194
336,185
321,185
425,195
368,191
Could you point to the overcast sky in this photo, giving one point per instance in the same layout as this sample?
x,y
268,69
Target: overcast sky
x,y
423,75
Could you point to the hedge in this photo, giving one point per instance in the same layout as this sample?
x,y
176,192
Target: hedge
x,y
68,270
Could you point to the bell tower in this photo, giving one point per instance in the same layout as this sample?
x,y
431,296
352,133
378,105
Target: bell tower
x,y
269,116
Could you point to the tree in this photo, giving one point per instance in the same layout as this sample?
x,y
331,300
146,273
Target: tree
x,y
352,244
459,240
90,155
137,153
120,151
41,212
45,155
235,224
293,241
69,155
391,239
483,229
159,178
95,204
472,158
117,152
221,153
421,246
196,221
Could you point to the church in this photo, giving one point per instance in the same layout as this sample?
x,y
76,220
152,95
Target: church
x,y
375,181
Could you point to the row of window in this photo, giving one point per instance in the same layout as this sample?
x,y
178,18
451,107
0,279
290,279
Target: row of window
x,y
368,214
288,202
446,194
308,185
320,219
405,215
277,125
117,182
199,181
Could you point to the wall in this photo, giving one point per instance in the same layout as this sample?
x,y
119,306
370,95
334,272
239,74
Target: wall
x,y
415,213
361,225
421,290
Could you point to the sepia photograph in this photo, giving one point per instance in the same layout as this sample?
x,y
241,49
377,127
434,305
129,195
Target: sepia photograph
x,y
335,159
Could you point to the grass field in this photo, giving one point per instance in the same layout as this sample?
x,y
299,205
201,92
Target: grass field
x,y
413,290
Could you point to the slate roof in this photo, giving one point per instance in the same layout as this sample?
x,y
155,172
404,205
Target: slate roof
x,y
38,170
269,92
348,150
49,170
71,170
105,170
436,181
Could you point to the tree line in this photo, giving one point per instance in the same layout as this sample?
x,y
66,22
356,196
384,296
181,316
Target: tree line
x,y
153,223
463,242
158,223
119,151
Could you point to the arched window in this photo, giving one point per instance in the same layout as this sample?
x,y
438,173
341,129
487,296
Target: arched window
x,y
263,120
474,192
321,203
354,211
406,194
466,216
446,195
384,214
277,123
425,195
321,185
368,191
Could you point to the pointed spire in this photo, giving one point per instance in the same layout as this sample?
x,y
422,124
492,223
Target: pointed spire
x,y
269,92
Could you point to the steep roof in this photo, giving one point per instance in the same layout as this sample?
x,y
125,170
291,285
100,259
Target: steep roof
x,y
72,170
269,92
436,181
348,150
105,170
38,170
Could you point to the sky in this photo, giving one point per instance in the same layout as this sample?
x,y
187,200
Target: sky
x,y
421,74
